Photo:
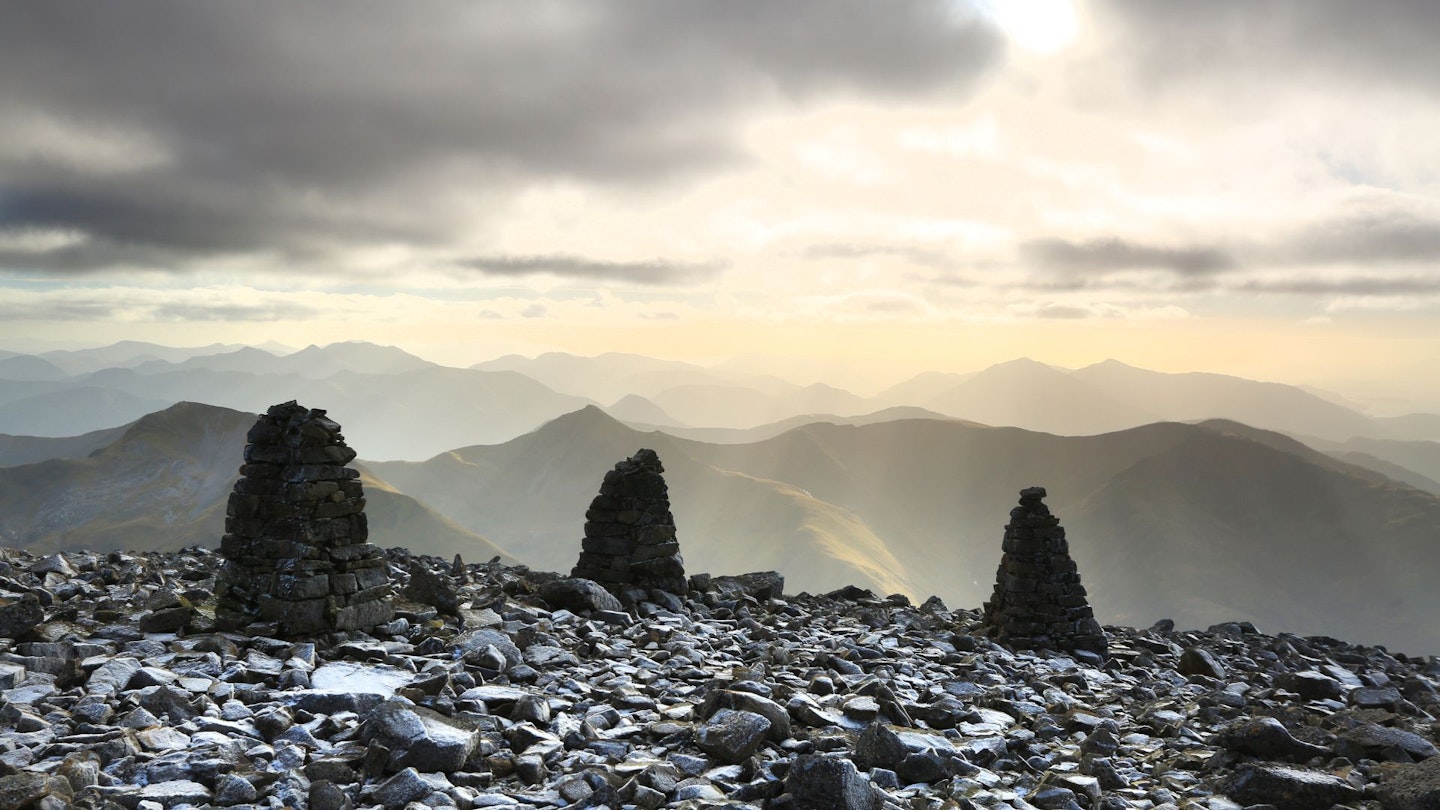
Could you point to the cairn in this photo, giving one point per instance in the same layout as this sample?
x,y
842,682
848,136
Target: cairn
x,y
295,548
1039,602
629,531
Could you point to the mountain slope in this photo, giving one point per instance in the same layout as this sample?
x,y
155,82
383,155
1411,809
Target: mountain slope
x,y
17,450
530,495
1200,523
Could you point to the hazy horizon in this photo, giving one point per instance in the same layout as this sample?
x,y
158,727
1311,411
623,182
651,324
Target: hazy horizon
x,y
854,191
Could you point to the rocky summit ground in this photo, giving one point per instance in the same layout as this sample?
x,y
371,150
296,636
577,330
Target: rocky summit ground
x,y
503,687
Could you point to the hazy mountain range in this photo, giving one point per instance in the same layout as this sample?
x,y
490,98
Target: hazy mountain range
x,y
398,406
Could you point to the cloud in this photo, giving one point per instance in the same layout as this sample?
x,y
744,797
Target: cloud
x,y
1350,286
653,272
263,312
1112,253
1278,42
1394,236
169,132
858,250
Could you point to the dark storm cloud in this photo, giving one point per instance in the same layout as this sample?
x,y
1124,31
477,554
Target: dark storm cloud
x,y
298,127
1392,237
1111,254
654,272
267,312
1278,41
58,310
1355,285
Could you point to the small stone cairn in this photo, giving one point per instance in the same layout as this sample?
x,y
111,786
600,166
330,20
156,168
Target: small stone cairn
x,y
629,531
295,546
1039,602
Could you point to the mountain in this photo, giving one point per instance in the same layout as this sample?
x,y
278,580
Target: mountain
x,y
605,377
314,362
125,354
633,408
413,414
29,367
1416,462
1197,396
17,450
78,409
1032,395
163,483
762,432
1202,523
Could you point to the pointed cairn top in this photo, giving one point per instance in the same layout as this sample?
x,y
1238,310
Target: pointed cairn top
x,y
1039,602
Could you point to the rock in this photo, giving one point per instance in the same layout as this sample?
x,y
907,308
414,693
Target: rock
x,y
113,676
325,795
1288,788
1267,738
231,790
24,790
1372,741
1200,661
578,595
19,615
818,782
1411,787
418,737
174,793
402,788
429,588
1312,685
732,736
1387,698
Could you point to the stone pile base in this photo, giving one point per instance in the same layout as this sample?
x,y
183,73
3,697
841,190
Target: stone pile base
x,y
1039,602
629,531
295,545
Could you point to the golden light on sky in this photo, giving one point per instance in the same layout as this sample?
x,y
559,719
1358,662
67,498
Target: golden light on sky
x,y
858,189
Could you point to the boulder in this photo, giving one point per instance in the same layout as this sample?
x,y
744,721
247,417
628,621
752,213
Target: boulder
x,y
418,737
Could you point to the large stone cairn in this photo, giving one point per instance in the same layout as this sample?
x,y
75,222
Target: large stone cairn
x,y
1039,602
294,548
629,531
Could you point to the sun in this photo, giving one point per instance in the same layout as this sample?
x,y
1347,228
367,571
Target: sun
x,y
1039,26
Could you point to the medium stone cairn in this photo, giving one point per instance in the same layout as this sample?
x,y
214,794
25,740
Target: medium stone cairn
x,y
295,546
629,531
1039,602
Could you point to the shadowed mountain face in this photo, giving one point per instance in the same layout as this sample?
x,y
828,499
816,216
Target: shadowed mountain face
x,y
1200,523
161,483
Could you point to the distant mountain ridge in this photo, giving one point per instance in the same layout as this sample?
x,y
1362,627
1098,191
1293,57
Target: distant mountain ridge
x,y
401,406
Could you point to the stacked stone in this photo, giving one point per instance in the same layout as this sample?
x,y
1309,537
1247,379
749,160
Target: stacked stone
x,y
629,531
1039,602
295,548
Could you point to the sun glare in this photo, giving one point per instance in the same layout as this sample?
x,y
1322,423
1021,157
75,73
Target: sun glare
x,y
1041,26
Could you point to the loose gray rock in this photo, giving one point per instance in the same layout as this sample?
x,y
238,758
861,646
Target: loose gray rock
x,y
732,736
418,737
1289,788
818,782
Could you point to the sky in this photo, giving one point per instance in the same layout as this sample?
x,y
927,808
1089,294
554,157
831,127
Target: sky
x,y
847,189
